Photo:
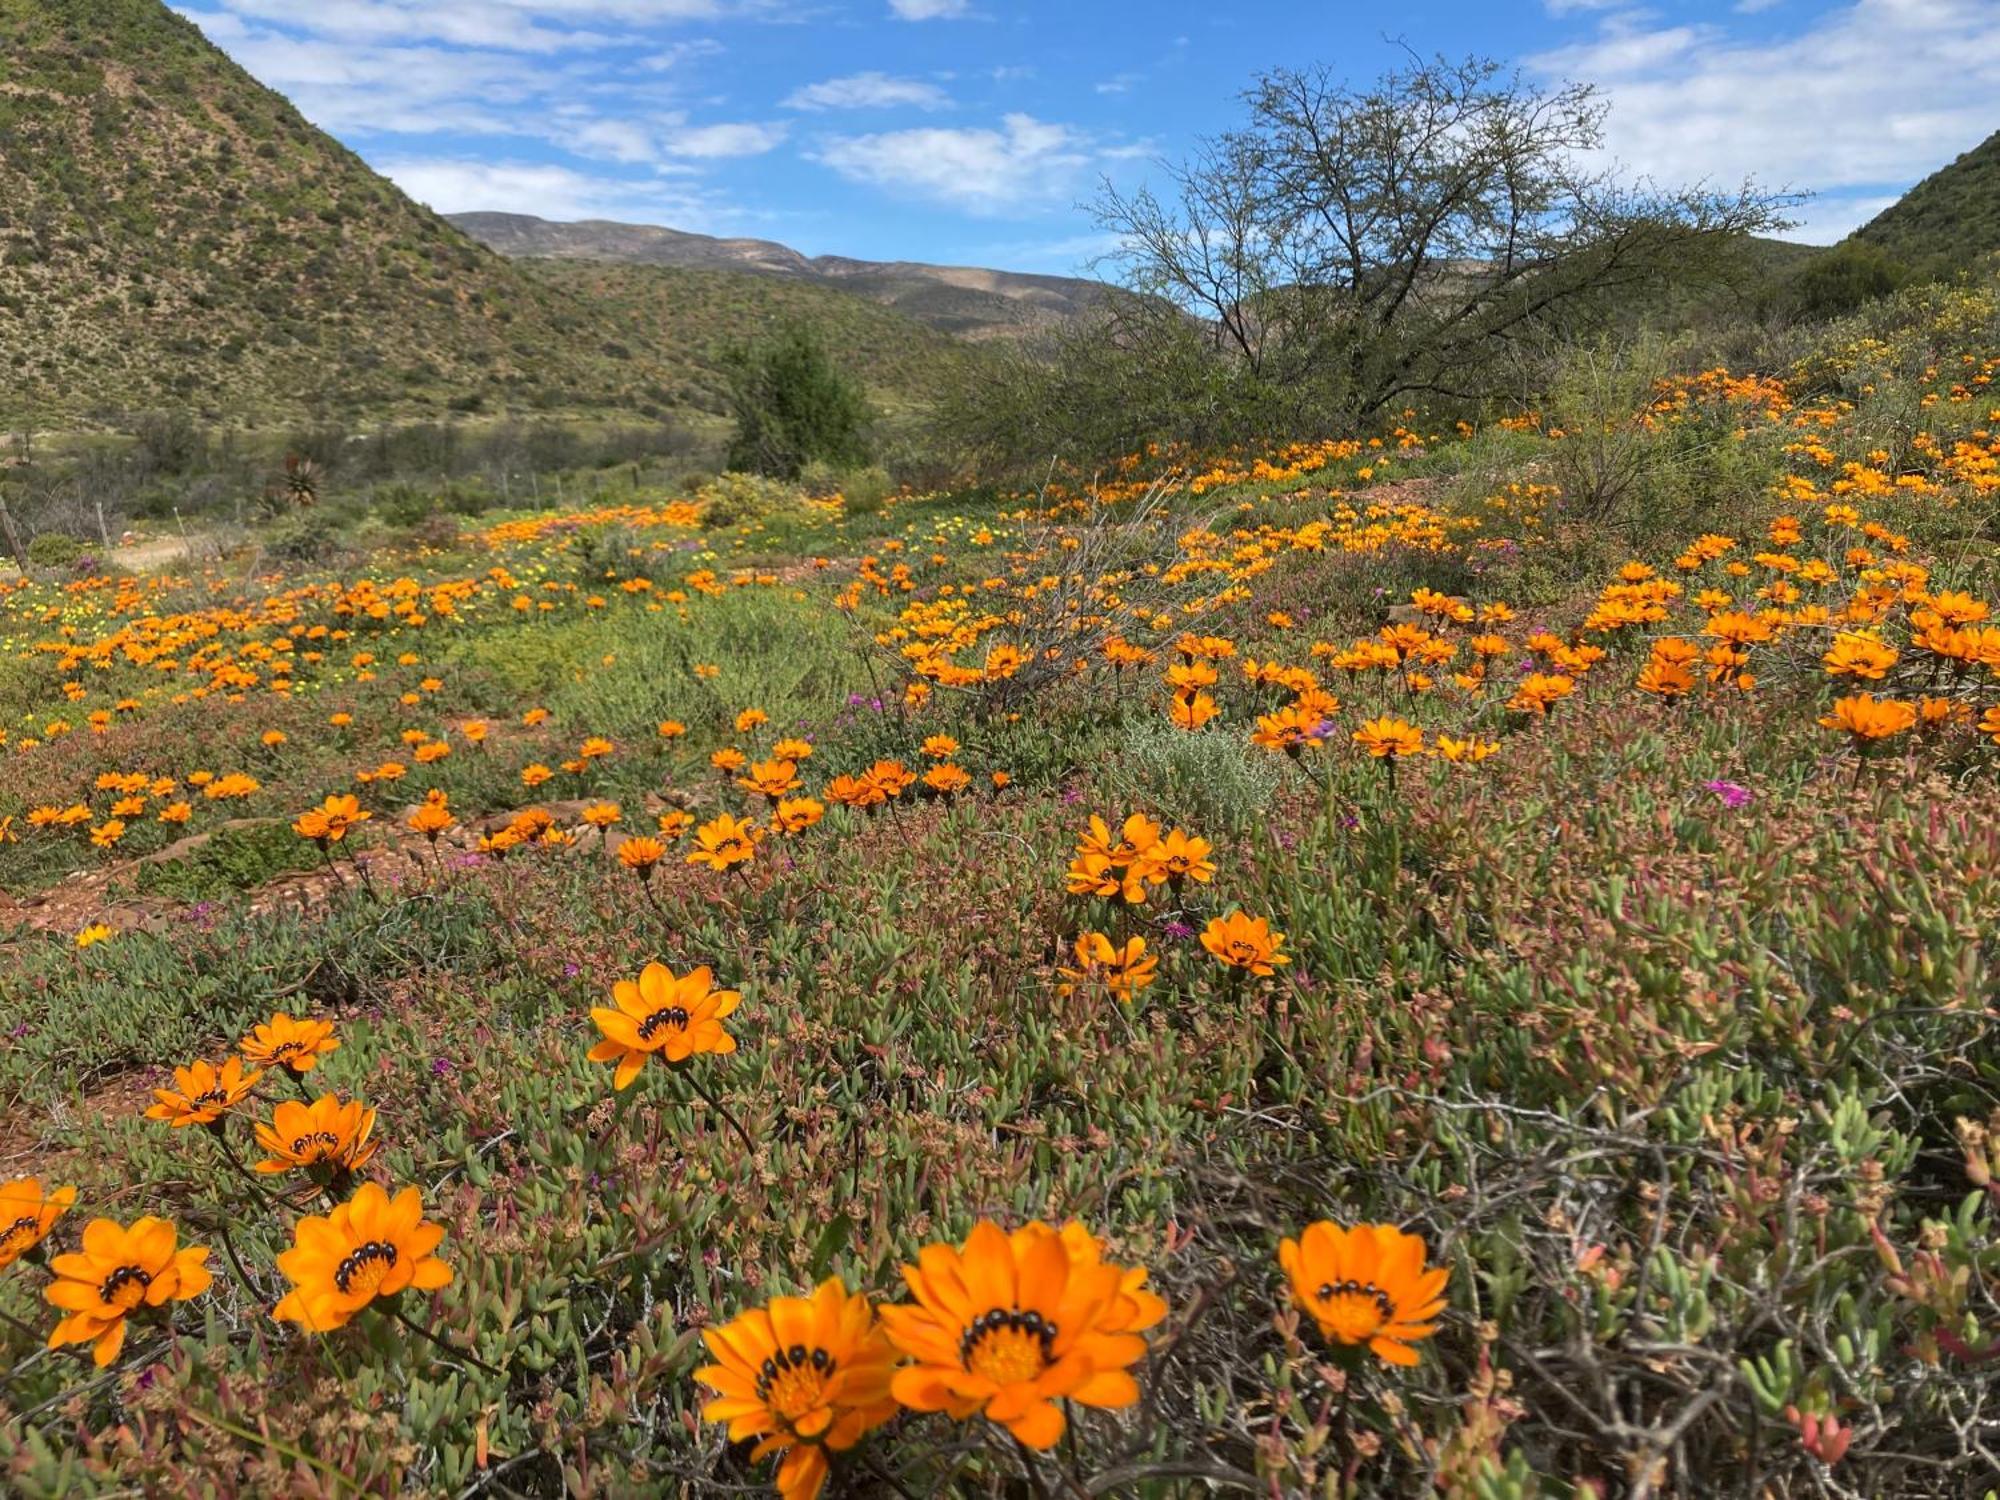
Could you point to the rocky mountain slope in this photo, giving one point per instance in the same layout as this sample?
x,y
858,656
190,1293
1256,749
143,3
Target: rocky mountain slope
x,y
966,301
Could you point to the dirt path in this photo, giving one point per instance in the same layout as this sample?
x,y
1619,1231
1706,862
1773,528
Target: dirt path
x,y
151,554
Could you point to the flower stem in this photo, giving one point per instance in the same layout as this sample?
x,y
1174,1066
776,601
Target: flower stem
x,y
235,1260
874,1466
229,1152
722,1109
445,1344
1032,1469
333,1475
35,1340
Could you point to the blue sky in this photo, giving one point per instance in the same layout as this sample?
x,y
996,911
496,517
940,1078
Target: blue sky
x,y
969,131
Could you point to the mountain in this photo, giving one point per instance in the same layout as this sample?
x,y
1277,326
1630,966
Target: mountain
x,y
173,234
691,317
1947,221
961,300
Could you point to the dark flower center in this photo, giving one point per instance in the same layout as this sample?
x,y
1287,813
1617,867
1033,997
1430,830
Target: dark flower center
x,y
320,1143
376,1255
125,1288
792,1361
1328,1290
213,1096
1008,1345
674,1016
23,1231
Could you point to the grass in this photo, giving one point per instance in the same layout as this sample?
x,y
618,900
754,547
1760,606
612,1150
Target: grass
x,y
1667,1025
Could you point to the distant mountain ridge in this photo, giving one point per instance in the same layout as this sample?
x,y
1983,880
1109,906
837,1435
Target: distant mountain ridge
x,y
968,301
693,316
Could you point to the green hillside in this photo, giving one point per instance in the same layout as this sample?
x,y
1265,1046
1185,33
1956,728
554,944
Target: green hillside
x,y
686,318
1948,220
172,233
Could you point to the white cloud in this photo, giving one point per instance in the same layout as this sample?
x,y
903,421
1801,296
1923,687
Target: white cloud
x,y
1835,216
455,185
869,91
459,23
1026,164
929,10
1068,255
679,54
514,25
346,87
711,141
615,140
1872,95
371,88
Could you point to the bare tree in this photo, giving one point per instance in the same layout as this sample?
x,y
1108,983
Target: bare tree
x,y
1352,249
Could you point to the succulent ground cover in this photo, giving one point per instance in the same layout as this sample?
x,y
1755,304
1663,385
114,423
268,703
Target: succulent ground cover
x,y
1343,970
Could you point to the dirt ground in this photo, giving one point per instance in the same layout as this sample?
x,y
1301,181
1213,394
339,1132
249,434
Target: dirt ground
x,y
146,555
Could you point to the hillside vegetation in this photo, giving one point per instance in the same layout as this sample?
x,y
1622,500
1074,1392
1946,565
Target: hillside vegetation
x,y
968,301
689,319
173,233
1947,222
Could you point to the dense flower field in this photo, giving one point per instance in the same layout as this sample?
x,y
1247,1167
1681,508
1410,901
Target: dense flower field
x,y
1302,973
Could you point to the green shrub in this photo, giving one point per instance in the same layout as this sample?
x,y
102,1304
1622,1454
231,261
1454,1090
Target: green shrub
x,y
736,499
1627,475
54,549
1210,781
404,504
606,553
792,405
820,479
1844,279
863,492
234,858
